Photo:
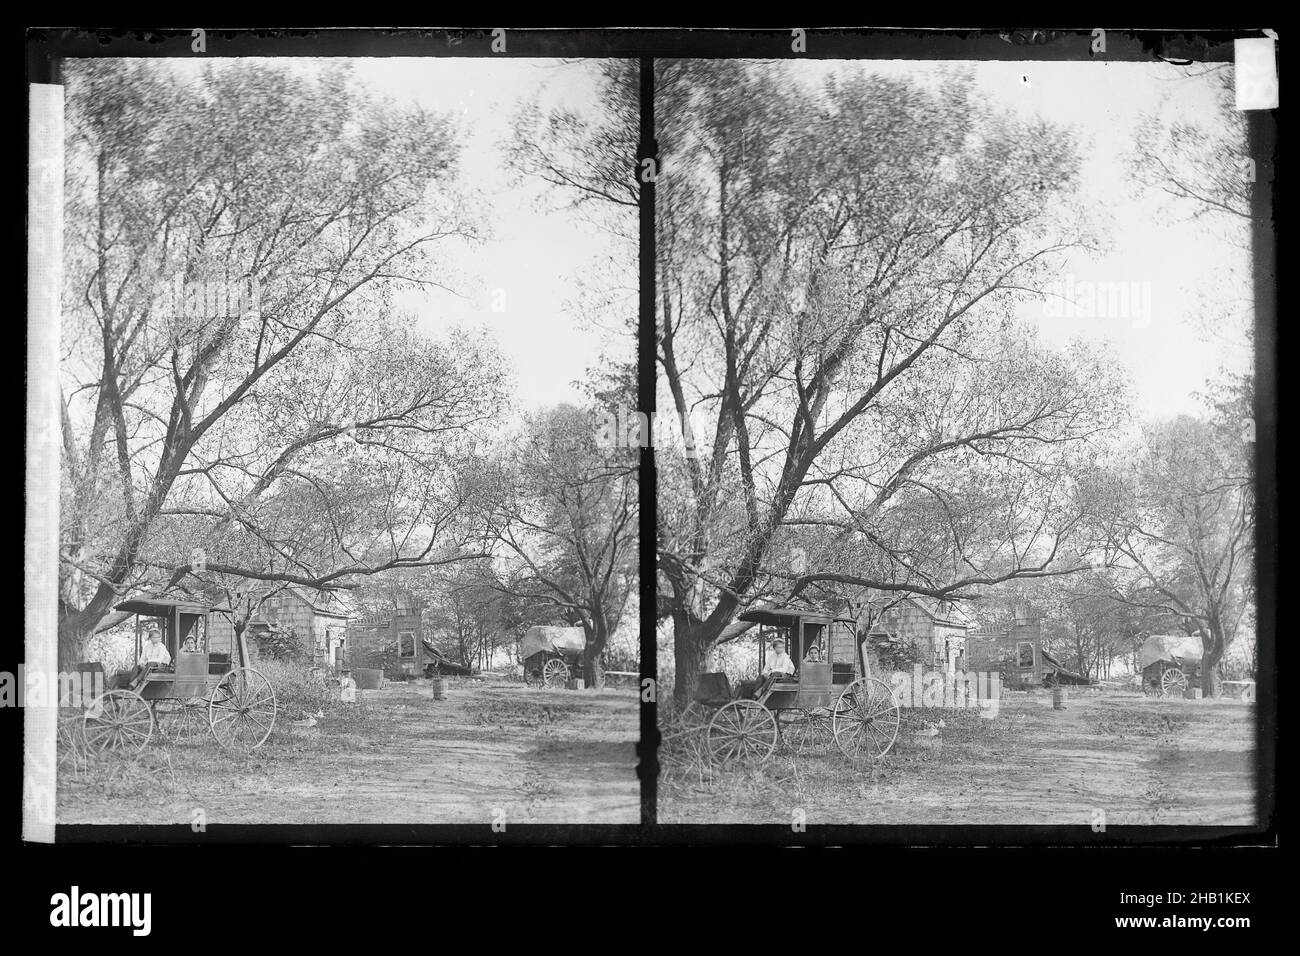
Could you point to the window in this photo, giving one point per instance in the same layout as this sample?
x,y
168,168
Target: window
x,y
1026,653
406,644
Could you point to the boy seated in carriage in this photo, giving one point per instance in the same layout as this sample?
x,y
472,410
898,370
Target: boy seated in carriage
x,y
153,655
154,651
777,666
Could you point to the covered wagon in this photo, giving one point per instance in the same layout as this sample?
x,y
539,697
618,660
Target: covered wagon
x,y
1170,664
551,655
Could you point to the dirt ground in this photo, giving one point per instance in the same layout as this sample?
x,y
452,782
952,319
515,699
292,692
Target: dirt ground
x,y
1138,760
487,752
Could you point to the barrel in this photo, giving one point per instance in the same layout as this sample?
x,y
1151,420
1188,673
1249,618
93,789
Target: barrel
x,y
368,678
439,688
579,683
1193,693
1058,698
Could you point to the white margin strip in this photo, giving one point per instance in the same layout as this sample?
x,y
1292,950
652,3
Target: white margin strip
x,y
41,540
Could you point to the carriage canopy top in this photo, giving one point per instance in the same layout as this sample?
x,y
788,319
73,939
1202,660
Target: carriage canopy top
x,y
787,617
1168,647
163,607
559,639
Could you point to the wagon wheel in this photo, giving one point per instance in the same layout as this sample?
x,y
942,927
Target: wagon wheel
x,y
742,730
865,719
555,672
1173,682
241,709
119,720
178,719
807,731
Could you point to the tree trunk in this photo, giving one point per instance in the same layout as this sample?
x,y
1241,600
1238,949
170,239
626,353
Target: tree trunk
x,y
1215,647
593,672
74,632
691,645
78,627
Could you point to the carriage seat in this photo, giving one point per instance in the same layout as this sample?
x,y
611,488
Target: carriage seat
x,y
713,689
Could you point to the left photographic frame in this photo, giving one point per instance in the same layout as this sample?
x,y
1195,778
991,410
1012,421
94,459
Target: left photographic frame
x,y
333,530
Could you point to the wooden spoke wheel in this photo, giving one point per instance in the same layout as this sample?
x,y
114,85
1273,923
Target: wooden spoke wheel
x,y
742,730
865,719
120,720
178,719
241,710
1173,683
807,731
555,673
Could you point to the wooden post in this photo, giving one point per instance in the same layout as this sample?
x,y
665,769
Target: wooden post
x,y
243,648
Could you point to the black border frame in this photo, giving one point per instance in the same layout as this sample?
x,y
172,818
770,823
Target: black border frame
x,y
45,48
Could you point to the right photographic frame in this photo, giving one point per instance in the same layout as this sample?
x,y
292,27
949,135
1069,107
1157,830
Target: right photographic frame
x,y
964,464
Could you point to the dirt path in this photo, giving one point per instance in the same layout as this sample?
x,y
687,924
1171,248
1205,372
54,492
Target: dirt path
x,y
1137,760
488,752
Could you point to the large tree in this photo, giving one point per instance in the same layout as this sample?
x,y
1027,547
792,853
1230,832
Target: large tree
x,y
565,521
1183,527
837,272
235,370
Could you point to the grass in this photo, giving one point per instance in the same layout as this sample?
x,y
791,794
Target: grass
x,y
819,775
521,711
170,766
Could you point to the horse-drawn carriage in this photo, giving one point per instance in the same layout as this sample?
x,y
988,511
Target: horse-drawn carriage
x,y
830,697
196,683
551,655
1170,664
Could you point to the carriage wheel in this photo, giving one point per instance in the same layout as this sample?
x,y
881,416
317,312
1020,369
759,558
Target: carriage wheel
x,y
742,730
555,673
178,719
865,719
119,720
241,710
807,731
1173,683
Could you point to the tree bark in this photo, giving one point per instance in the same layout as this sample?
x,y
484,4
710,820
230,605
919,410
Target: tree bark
x,y
1215,646
75,629
593,672
691,644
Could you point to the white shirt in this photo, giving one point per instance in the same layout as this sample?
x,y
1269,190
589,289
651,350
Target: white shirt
x,y
778,662
155,654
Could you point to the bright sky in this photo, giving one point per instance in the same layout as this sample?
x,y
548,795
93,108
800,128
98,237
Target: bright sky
x,y
520,281
1187,264
537,246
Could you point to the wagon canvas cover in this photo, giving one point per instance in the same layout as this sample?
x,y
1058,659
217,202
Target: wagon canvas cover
x,y
1167,647
560,639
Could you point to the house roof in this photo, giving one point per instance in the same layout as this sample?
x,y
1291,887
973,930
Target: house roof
x,y
443,661
942,612
333,603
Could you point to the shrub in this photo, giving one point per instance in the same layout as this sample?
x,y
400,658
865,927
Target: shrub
x,y
300,691
279,645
